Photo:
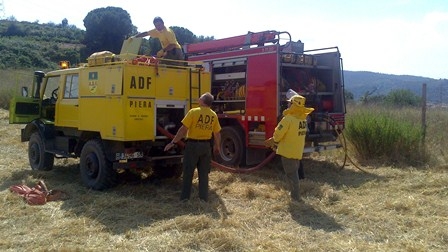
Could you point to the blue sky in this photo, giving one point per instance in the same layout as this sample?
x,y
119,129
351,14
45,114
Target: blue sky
x,y
408,37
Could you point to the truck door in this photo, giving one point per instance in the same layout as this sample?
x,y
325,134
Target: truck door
x,y
67,105
26,106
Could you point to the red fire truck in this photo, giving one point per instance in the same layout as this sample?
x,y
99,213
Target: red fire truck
x,y
251,75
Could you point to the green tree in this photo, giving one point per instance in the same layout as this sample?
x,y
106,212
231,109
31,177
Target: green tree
x,y
64,22
368,97
202,38
14,29
106,28
183,35
349,95
401,97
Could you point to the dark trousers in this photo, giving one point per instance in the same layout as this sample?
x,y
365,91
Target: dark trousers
x,y
291,167
197,154
301,171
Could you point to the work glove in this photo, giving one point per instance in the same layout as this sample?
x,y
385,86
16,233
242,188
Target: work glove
x,y
270,143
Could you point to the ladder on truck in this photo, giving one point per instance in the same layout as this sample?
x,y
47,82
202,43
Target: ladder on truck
x,y
195,88
232,43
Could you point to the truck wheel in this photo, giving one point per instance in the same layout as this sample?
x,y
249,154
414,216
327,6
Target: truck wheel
x,y
96,170
232,149
39,159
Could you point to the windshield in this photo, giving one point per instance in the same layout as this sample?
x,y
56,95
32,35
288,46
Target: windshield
x,y
52,84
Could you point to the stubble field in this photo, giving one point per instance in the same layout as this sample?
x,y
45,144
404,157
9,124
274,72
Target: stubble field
x,y
385,209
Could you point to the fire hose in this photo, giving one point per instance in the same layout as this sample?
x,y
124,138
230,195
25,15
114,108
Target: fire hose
x,y
343,142
221,166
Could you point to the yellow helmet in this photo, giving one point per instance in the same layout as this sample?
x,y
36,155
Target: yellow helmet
x,y
297,100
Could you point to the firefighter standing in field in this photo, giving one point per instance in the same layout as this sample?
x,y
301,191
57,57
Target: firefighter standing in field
x,y
289,137
171,49
198,126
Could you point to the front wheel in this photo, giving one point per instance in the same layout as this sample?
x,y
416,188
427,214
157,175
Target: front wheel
x,y
232,149
96,170
39,159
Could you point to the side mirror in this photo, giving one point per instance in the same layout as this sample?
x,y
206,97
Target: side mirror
x,y
25,91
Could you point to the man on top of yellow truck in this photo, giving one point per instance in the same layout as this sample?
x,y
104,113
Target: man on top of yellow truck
x,y
171,48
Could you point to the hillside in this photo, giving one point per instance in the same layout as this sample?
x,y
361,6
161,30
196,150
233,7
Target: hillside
x,y
360,82
32,45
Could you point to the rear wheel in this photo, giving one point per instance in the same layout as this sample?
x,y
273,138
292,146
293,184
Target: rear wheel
x,y
232,149
96,170
39,159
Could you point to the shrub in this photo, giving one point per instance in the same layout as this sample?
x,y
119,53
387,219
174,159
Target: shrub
x,y
385,135
5,97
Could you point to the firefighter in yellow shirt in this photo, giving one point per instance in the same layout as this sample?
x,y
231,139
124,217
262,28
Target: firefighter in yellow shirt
x,y
171,49
289,136
198,126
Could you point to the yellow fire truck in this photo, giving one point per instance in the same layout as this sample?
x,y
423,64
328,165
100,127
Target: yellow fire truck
x,y
114,113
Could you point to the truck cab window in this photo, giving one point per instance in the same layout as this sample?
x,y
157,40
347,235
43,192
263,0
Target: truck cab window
x,y
71,86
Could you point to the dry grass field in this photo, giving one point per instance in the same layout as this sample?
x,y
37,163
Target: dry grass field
x,y
386,209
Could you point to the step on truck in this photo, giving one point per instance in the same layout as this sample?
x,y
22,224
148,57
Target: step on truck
x,y
251,75
115,113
